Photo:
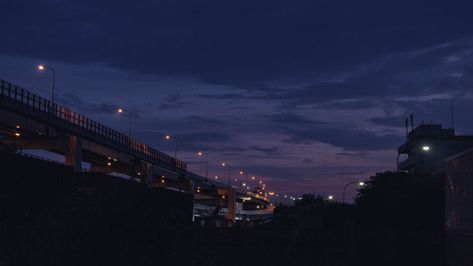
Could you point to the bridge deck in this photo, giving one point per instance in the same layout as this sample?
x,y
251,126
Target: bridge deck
x,y
22,101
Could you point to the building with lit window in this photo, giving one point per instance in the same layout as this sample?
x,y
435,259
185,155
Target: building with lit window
x,y
427,146
431,149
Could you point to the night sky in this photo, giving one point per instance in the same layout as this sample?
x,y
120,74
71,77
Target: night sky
x,y
308,95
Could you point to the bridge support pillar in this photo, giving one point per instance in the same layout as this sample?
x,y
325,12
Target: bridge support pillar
x,y
148,174
74,153
191,190
231,214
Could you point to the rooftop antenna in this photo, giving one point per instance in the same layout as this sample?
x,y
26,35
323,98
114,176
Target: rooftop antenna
x,y
412,122
407,128
451,103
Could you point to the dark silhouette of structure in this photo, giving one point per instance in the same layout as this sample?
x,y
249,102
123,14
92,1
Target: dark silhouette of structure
x,y
436,151
428,145
459,207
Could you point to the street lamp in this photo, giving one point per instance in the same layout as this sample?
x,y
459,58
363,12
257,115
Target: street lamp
x,y
121,111
360,184
43,68
169,138
206,163
246,179
229,172
426,148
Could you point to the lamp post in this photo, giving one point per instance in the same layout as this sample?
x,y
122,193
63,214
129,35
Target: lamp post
x,y
360,184
43,68
120,111
245,184
169,138
229,172
206,163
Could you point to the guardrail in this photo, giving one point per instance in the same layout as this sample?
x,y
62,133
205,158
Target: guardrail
x,y
65,118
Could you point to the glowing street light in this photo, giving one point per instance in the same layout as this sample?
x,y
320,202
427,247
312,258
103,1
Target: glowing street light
x,y
330,197
206,163
359,183
426,148
43,68
226,164
121,111
242,173
169,138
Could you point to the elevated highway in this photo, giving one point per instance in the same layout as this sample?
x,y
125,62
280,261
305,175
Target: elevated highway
x,y
28,121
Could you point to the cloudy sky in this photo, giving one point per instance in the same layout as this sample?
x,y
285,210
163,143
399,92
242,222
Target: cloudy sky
x,y
308,95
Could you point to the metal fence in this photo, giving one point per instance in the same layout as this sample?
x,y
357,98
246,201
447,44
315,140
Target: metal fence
x,y
63,117
459,194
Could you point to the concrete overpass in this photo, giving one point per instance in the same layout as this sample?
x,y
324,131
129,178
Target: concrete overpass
x,y
28,121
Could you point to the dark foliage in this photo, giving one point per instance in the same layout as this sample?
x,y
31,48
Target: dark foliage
x,y
397,220
403,200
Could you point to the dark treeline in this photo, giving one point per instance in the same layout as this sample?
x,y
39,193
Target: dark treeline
x,y
397,219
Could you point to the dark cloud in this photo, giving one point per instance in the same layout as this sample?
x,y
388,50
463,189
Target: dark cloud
x,y
76,103
348,139
351,154
251,71
350,173
264,150
172,101
308,160
391,121
275,40
223,96
292,119
300,130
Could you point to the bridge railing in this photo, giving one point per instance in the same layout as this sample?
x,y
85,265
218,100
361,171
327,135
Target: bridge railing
x,y
74,121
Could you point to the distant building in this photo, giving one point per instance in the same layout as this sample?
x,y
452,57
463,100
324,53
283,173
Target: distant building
x,y
428,146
